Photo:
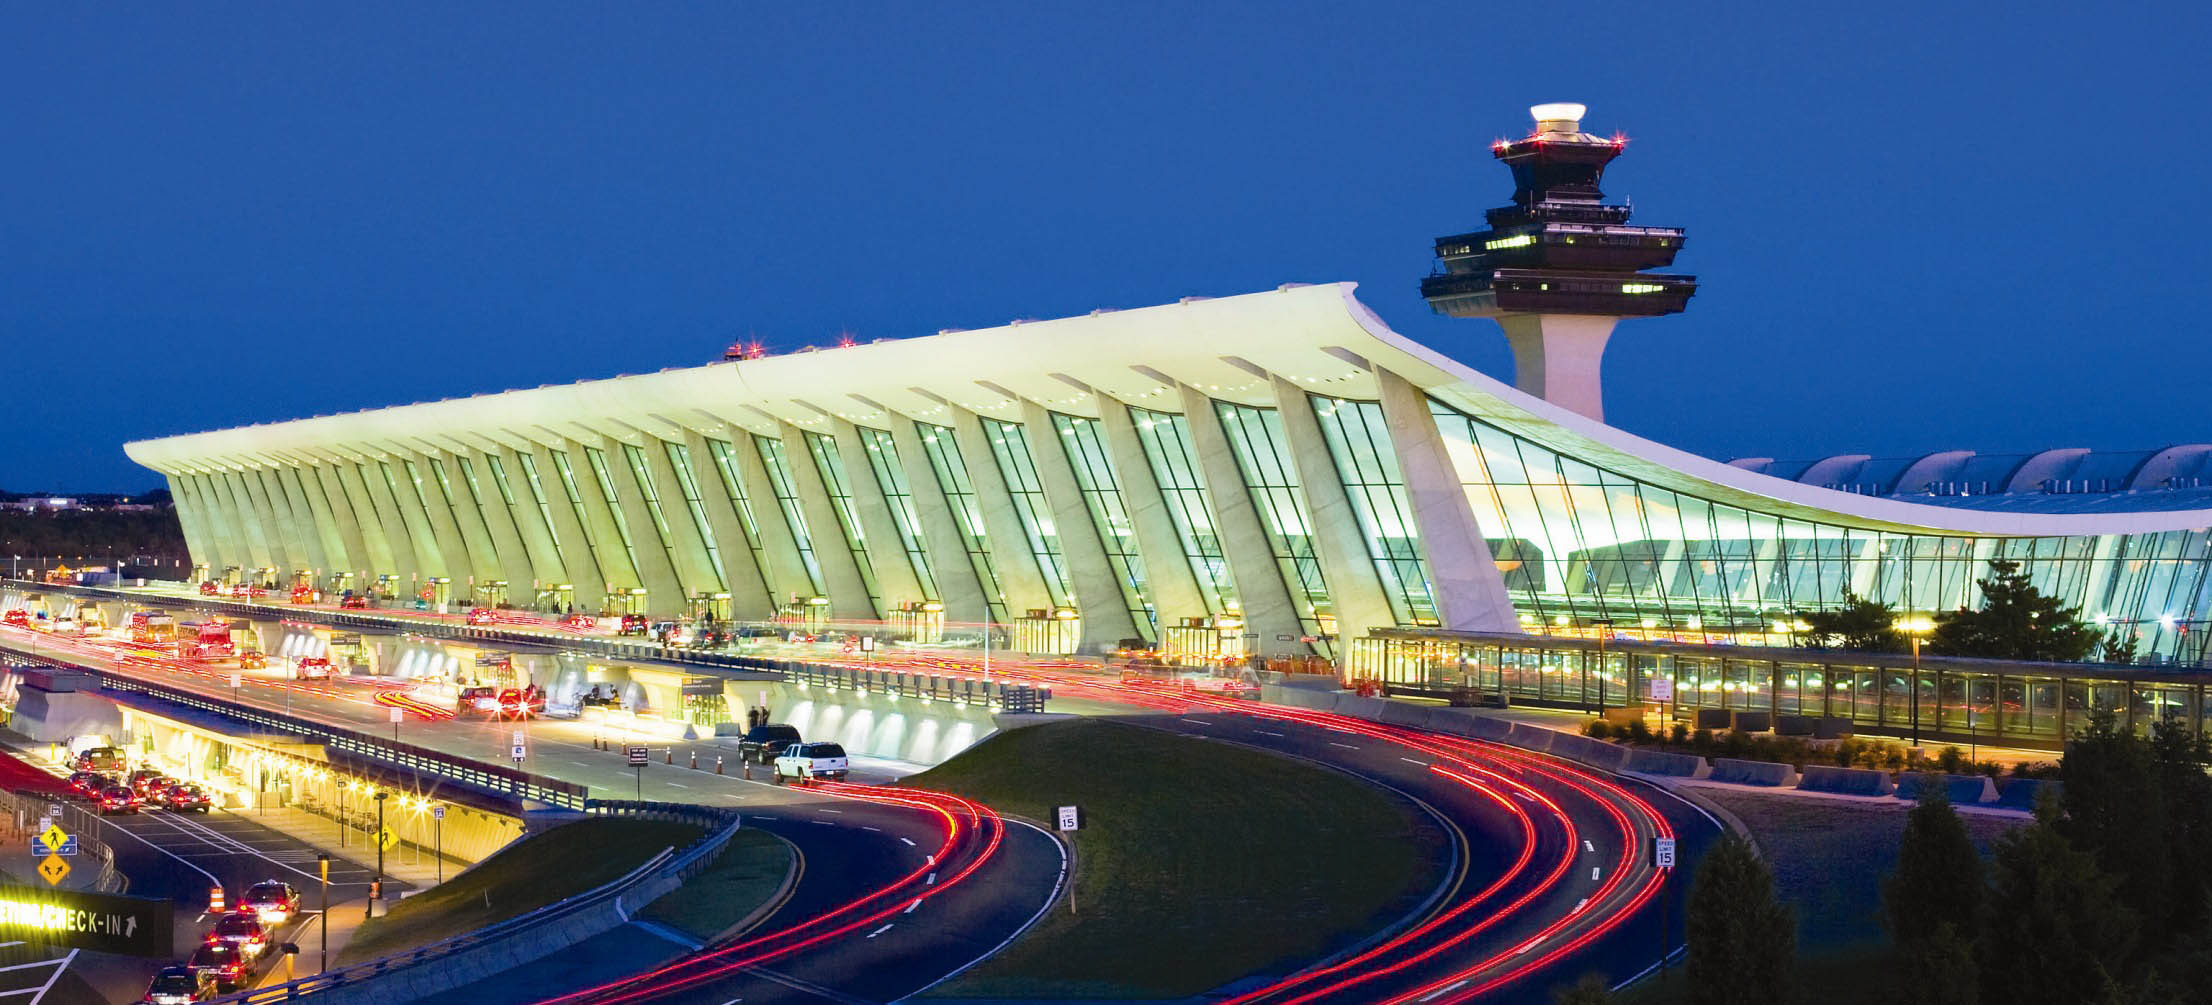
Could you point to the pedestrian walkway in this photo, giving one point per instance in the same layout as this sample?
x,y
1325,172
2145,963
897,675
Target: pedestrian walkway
x,y
415,867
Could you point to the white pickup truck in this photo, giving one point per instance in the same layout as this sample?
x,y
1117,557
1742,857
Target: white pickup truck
x,y
809,761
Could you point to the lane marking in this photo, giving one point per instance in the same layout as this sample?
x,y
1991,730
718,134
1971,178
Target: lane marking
x,y
1579,905
1587,846
1409,760
1346,746
1526,796
931,881
865,827
1594,870
909,842
879,931
825,810
1267,732
49,985
1441,992
910,907
40,963
679,785
1201,722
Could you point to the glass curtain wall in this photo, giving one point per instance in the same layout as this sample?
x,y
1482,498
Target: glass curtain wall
x,y
444,483
1085,443
1359,444
883,459
598,461
575,493
832,469
545,511
1010,445
967,513
725,463
1271,477
426,549
1580,544
787,498
679,459
1167,446
642,470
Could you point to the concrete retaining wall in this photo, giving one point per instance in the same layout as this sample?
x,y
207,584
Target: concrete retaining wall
x,y
1729,769
878,725
1849,781
2021,793
1962,790
1667,762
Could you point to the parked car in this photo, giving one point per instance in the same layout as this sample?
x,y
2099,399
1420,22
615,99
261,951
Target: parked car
x,y
312,668
242,931
353,602
272,901
117,799
809,761
146,783
208,588
482,616
252,659
88,784
761,744
477,701
221,963
633,624
179,985
184,797
579,622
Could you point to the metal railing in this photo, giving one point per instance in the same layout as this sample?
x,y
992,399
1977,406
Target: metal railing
x,y
671,866
1002,695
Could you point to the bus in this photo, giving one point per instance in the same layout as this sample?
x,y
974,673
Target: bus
x,y
153,626
207,640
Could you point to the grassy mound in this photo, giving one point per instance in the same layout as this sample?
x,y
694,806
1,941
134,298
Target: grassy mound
x,y
748,872
523,877
1198,862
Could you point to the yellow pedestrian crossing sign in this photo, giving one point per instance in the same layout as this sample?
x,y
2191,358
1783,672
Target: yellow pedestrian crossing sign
x,y
53,870
52,838
385,839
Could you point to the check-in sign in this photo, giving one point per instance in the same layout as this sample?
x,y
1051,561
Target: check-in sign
x,y
132,926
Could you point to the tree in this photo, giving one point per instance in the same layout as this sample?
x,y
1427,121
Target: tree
x,y
2116,811
2119,647
1938,881
2056,932
1743,942
2016,622
1939,969
1861,624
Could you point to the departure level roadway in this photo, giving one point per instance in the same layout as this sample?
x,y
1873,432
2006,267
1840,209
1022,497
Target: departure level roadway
x,y
1561,881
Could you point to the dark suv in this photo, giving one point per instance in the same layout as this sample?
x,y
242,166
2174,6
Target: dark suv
x,y
761,744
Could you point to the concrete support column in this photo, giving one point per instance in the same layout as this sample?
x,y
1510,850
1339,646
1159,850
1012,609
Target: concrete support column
x,y
752,594
361,560
840,567
1346,563
1270,609
294,542
1174,587
452,493
896,575
1558,357
584,547
261,531
391,544
1107,618
329,552
687,544
199,541
545,564
962,585
488,509
1469,591
658,571
1022,579
779,540
426,507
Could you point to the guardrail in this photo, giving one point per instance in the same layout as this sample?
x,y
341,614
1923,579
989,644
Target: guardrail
x,y
423,763
1001,695
527,937
25,806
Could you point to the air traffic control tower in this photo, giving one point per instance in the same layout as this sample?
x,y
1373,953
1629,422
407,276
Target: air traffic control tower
x,y
1559,266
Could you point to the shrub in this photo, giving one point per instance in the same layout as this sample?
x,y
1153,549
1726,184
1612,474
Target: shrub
x,y
1702,739
1597,729
1951,759
1639,732
1680,733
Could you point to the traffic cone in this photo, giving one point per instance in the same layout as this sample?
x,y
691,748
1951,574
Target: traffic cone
x,y
717,764
694,760
671,755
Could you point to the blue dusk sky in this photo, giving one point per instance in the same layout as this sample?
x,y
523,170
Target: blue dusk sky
x,y
1917,227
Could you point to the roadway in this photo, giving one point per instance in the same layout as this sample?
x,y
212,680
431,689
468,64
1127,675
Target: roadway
x,y
1557,879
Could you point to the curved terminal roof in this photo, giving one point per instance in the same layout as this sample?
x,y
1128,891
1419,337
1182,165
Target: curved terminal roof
x,y
1230,348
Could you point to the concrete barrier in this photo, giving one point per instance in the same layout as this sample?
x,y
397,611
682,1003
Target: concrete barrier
x,y
1744,721
2021,793
1299,697
1796,725
1832,727
1370,709
1522,734
1402,713
1596,753
1667,762
1848,781
1962,790
1729,769
1713,718
1469,723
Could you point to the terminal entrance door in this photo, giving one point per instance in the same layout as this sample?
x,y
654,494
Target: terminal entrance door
x,y
559,597
491,593
437,594
707,607
387,586
233,576
630,600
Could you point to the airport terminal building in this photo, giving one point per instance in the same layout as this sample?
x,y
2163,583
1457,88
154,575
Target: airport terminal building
x,y
1276,473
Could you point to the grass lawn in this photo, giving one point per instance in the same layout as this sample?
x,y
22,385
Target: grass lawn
x,y
1198,862
748,872
1829,858
522,877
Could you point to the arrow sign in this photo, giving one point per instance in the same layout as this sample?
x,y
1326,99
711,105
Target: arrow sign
x,y
53,870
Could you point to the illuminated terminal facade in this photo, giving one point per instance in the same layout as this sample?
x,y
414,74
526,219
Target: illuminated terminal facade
x,y
1265,474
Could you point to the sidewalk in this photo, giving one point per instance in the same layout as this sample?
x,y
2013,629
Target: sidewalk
x,y
416,868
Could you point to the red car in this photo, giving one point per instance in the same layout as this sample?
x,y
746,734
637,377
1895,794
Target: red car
x,y
355,603
633,624
19,617
579,622
303,594
146,783
208,588
521,703
241,931
184,797
88,784
117,799
481,616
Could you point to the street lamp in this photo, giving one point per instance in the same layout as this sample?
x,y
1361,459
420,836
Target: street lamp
x,y
322,861
376,889
1914,628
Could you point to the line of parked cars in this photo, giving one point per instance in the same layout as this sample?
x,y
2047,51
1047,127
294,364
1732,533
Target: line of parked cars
x,y
790,756
143,789
231,951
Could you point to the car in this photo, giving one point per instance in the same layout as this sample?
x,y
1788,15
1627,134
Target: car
x,y
482,616
87,784
808,761
117,799
476,701
633,624
272,901
514,705
243,931
311,668
185,797
303,594
580,622
221,963
761,744
353,602
208,588
102,759
147,782
252,659
20,618
179,985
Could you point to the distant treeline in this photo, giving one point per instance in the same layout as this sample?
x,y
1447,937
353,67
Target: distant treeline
x,y
96,535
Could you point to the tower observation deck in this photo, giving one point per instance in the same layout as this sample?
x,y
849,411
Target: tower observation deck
x,y
1559,266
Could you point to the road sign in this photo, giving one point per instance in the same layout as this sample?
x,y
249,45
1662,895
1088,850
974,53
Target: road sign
x,y
237,680
1662,688
437,812
43,824
52,837
53,810
517,751
1068,818
132,925
395,715
1662,853
53,870
637,754
385,839
68,848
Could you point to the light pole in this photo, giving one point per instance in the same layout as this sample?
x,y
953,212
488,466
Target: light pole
x,y
322,861
376,889
1913,692
1604,627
